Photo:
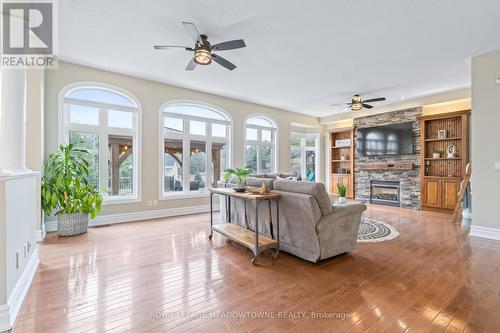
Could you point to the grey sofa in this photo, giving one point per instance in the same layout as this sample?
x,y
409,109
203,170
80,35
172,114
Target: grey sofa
x,y
310,227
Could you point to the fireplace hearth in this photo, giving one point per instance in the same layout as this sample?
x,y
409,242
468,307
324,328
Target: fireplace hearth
x,y
385,192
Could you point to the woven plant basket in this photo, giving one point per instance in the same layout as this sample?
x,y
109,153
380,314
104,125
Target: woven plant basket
x,y
72,224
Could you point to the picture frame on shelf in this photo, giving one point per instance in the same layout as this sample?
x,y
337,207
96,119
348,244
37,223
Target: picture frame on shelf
x,y
442,134
342,143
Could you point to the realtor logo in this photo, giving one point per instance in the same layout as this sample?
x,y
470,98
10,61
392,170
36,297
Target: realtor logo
x,y
28,33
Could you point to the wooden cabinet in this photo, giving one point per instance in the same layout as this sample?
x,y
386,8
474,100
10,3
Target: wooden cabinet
x,y
444,155
440,192
341,179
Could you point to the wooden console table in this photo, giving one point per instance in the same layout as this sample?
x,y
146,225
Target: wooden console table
x,y
250,239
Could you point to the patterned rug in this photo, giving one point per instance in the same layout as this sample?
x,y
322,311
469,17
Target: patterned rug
x,y
371,230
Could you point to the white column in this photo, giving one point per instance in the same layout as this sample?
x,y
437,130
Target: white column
x,y
13,121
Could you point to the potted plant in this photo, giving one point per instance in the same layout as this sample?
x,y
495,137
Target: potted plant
x,y
66,190
241,175
342,189
436,154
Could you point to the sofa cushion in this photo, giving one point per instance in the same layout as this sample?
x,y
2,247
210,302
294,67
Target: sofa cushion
x,y
257,182
317,190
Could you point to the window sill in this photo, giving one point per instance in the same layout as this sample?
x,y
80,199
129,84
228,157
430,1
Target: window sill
x,y
119,200
184,195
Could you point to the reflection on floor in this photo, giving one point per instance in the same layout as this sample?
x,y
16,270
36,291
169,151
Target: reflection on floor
x,y
164,275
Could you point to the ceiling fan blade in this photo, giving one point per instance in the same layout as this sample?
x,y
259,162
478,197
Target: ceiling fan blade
x,y
192,31
229,45
191,65
371,100
367,106
223,62
337,104
163,47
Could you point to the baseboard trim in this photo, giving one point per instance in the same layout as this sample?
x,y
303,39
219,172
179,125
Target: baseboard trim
x,y
51,225
9,311
484,232
40,234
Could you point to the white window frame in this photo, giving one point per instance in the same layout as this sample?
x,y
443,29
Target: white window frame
x,y
303,149
259,143
186,139
103,131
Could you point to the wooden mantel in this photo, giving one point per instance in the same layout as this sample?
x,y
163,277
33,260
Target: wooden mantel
x,y
386,166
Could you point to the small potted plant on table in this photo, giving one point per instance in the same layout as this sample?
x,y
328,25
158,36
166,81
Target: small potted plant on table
x,y
241,175
66,190
342,189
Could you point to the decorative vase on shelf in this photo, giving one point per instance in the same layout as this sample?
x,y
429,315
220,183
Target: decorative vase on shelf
x,y
342,200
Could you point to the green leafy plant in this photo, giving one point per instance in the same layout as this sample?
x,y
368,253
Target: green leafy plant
x,y
240,173
65,188
342,190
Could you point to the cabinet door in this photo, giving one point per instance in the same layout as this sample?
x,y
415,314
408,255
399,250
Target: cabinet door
x,y
432,190
341,179
450,193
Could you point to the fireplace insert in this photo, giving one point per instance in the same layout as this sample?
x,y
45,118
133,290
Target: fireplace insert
x,y
385,192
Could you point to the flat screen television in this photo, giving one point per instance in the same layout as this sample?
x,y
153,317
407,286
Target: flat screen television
x,y
395,139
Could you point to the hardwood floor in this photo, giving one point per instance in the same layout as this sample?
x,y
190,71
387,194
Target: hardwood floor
x,y
165,276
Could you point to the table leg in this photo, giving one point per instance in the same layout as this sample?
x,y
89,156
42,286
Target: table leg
x,y
256,251
271,228
211,216
229,205
277,228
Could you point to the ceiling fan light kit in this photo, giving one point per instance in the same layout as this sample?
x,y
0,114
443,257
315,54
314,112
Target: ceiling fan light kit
x,y
202,57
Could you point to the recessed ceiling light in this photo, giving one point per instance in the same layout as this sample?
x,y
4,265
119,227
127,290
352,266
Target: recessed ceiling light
x,y
402,97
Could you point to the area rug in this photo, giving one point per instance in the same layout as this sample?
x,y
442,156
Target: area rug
x,y
371,230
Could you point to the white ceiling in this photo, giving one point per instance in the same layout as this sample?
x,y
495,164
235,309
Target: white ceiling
x,y
301,55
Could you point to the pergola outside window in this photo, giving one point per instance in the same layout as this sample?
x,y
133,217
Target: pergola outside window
x,y
105,121
195,148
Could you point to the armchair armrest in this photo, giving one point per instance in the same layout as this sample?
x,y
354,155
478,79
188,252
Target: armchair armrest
x,y
350,208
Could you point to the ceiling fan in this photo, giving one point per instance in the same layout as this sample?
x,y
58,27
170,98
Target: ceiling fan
x,y
203,50
358,104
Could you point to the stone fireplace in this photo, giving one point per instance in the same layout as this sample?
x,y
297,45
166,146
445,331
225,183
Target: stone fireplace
x,y
408,180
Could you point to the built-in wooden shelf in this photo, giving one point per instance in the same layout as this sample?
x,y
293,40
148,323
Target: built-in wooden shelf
x,y
244,236
443,139
440,177
336,161
442,159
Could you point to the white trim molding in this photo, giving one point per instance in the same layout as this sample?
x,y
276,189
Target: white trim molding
x,y
51,225
484,232
9,311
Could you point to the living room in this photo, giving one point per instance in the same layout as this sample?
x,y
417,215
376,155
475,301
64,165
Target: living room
x,y
193,166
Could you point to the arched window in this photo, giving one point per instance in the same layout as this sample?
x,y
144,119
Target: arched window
x,y
195,141
260,144
105,121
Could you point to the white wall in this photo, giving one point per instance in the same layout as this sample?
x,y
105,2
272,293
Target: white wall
x,y
485,144
152,95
